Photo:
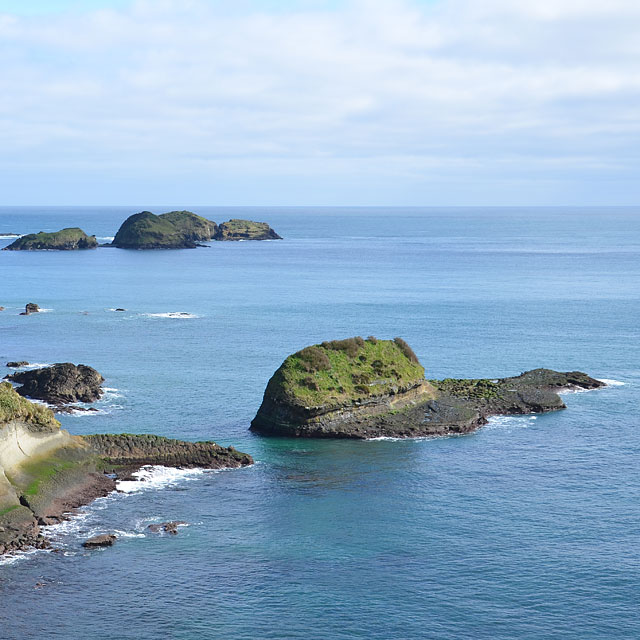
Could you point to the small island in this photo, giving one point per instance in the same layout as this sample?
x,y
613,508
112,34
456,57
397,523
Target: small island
x,y
70,239
184,230
45,472
358,388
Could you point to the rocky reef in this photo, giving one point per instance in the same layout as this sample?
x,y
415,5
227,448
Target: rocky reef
x,y
70,239
236,229
60,384
45,472
369,388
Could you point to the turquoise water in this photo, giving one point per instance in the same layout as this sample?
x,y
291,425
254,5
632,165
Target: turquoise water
x,y
528,528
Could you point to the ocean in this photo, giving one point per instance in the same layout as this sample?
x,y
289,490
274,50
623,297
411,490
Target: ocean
x,y
527,528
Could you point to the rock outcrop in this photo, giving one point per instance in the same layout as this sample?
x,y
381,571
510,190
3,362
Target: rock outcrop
x,y
359,388
173,230
29,308
17,364
237,229
97,542
70,239
45,472
60,384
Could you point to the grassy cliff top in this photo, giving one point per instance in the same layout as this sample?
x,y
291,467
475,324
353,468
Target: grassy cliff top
x,y
70,238
193,226
15,407
341,371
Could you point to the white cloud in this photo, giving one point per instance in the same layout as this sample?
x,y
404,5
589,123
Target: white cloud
x,y
452,91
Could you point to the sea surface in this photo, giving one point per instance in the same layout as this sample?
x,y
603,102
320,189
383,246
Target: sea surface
x,y
527,529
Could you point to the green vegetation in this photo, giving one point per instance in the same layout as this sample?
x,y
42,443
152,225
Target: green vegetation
x,y
343,370
192,226
146,230
41,471
237,229
8,509
479,389
65,240
15,407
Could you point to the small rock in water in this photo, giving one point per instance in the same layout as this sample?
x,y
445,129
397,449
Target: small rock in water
x,y
120,309
30,307
1,308
166,527
96,542
16,364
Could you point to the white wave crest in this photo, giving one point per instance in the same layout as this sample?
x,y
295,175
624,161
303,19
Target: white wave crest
x,y
517,421
155,477
172,314
12,558
612,383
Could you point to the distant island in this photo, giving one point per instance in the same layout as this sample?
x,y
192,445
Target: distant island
x,y
70,239
146,230
45,472
184,230
358,388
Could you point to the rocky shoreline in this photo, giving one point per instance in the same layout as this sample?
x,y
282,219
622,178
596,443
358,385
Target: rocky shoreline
x,y
46,473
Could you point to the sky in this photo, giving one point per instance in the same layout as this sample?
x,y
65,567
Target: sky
x,y
320,102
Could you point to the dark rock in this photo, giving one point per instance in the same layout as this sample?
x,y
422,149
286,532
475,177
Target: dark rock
x,y
96,542
17,364
120,309
1,308
60,384
237,229
167,527
30,307
65,240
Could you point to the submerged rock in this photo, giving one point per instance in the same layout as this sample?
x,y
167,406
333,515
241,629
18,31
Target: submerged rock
x,y
70,239
359,388
105,540
167,527
60,384
237,229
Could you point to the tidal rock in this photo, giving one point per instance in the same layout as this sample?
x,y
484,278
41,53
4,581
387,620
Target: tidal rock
x,y
17,364
30,307
359,388
60,384
69,239
105,540
167,527
119,309
237,229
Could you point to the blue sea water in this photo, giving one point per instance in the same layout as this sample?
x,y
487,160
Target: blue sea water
x,y
528,528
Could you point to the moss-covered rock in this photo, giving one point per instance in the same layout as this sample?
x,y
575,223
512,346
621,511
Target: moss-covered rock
x,y
173,230
146,230
237,229
359,388
68,239
193,227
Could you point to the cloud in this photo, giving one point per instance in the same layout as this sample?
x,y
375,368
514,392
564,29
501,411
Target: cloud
x,y
417,98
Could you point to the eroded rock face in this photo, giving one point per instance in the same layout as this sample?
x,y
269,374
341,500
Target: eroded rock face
x,y
60,384
237,229
367,390
70,239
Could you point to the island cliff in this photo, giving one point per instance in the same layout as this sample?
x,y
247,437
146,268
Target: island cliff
x,y
359,388
45,472
69,239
